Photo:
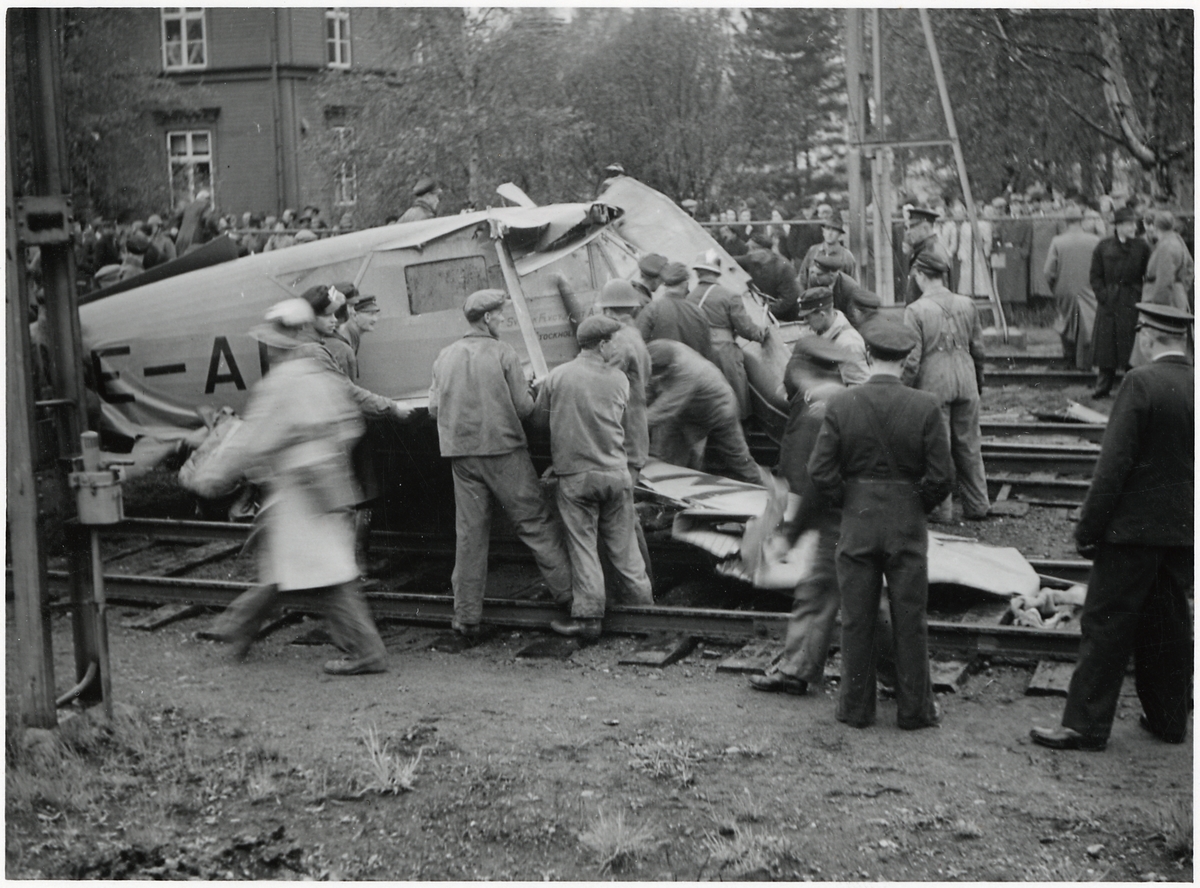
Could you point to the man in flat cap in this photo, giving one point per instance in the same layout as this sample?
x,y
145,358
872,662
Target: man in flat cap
x,y
1118,270
883,456
775,278
818,313
583,403
1136,523
1068,265
919,236
856,302
727,318
426,196
693,406
670,316
829,254
947,362
649,276
478,397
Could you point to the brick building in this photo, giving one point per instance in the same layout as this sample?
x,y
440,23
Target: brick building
x,y
258,136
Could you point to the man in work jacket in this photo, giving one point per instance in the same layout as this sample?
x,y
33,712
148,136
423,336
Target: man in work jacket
x,y
919,236
478,398
649,277
583,402
817,311
427,195
774,276
1137,524
883,456
671,316
727,317
947,361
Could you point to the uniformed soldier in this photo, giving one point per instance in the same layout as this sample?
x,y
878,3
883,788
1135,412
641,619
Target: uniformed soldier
x,y
727,318
883,455
478,398
948,362
919,236
829,253
583,403
691,404
818,313
1137,524
671,316
426,196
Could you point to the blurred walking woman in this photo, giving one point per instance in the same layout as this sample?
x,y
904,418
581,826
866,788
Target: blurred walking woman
x,y
300,427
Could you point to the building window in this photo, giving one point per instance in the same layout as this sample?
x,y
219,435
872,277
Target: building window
x,y
345,188
183,39
337,37
190,155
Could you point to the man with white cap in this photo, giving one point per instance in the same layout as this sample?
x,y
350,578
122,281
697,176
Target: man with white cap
x,y
478,397
1137,525
727,318
300,426
583,403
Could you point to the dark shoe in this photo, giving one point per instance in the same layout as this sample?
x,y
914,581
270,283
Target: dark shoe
x,y
354,667
1100,393
582,628
1145,723
471,631
936,722
779,682
1065,738
976,516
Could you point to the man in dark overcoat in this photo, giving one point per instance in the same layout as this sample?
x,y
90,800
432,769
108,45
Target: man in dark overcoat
x,y
1137,524
883,455
1118,267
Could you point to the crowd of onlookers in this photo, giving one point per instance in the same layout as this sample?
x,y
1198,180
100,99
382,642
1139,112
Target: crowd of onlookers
x,y
107,253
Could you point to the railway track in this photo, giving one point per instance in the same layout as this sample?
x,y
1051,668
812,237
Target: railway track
x,y
958,639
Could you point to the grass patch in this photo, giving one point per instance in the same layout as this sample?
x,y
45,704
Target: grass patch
x,y
663,760
1175,824
385,772
615,843
747,851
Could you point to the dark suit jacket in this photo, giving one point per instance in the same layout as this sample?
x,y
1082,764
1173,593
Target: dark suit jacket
x,y
912,422
1116,279
1142,489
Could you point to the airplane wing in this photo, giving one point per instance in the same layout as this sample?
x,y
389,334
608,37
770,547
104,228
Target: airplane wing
x,y
515,195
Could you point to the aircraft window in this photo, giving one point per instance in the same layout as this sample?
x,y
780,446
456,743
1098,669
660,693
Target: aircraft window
x,y
574,266
445,284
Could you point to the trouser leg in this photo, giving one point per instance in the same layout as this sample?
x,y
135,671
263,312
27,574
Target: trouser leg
x,y
580,513
672,442
617,523
472,527
351,625
1163,646
728,442
515,484
814,610
1105,377
968,456
908,590
244,616
1120,580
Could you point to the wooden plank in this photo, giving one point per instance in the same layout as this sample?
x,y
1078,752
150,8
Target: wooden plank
x,y
1009,508
754,657
163,616
948,675
1050,679
660,649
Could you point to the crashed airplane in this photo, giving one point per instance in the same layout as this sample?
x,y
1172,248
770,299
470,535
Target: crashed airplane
x,y
159,354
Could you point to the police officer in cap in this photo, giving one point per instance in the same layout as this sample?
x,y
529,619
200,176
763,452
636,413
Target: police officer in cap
x,y
649,276
817,311
829,254
478,398
919,236
883,455
1136,523
948,362
427,194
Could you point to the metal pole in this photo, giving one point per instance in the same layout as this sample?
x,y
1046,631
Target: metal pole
x,y
960,162
29,583
885,279
855,125
100,605
51,177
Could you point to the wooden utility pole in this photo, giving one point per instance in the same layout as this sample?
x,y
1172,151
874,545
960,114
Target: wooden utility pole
x,y
855,131
960,162
35,660
881,177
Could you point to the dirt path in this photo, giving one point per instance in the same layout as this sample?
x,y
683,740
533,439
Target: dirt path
x,y
523,762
